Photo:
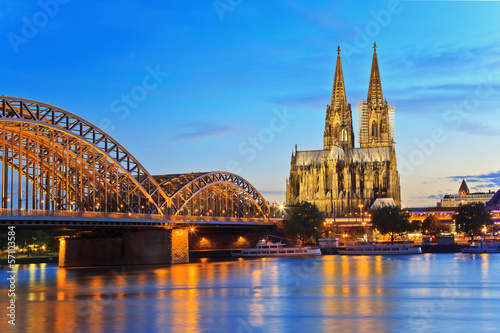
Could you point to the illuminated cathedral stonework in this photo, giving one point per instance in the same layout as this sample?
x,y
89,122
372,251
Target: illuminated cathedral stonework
x,y
340,178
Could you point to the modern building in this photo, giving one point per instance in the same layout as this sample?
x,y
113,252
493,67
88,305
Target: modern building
x,y
464,196
341,178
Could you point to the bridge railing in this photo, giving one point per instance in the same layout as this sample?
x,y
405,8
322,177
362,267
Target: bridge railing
x,y
102,215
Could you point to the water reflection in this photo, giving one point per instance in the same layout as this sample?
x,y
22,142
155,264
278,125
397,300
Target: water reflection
x,y
376,294
354,291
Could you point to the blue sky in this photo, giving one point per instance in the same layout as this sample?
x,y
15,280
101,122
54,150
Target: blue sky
x,y
235,84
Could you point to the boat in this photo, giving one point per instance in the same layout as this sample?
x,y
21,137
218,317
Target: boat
x,y
474,248
378,249
270,249
488,247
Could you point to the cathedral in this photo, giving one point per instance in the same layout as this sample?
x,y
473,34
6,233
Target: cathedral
x,y
340,178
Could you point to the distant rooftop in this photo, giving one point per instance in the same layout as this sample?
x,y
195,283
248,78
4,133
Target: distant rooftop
x,y
464,189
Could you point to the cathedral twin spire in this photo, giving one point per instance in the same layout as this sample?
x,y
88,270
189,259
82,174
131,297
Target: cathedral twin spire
x,y
338,124
375,97
339,99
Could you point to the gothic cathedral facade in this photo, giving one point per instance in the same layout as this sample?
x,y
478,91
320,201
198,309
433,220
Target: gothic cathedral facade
x,y
339,178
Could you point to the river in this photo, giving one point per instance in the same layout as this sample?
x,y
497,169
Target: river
x,y
422,293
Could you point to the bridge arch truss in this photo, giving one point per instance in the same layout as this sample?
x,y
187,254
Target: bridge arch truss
x,y
53,159
217,193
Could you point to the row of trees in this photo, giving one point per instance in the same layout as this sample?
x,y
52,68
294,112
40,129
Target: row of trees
x,y
470,219
396,221
306,221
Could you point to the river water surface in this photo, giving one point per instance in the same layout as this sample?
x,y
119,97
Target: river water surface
x,y
422,293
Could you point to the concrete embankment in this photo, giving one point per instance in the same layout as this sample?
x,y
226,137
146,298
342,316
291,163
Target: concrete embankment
x,y
32,260
198,254
453,248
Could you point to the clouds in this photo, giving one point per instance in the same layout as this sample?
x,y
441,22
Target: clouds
x,y
476,128
426,197
311,101
488,180
200,130
425,60
444,73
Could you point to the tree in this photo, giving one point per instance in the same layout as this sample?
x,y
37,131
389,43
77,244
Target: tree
x,y
433,227
392,220
304,222
471,218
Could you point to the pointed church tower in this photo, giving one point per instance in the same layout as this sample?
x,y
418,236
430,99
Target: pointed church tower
x,y
464,189
377,118
338,122
375,97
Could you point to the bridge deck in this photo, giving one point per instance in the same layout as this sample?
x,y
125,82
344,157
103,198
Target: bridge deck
x,y
43,218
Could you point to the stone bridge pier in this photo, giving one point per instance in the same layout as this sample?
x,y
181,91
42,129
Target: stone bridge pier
x,y
151,247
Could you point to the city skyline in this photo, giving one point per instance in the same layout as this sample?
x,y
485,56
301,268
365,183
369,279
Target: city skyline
x,y
234,85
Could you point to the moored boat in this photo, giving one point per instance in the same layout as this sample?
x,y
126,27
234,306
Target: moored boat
x,y
379,249
488,247
269,249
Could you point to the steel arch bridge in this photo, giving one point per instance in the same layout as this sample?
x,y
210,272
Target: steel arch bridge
x,y
54,160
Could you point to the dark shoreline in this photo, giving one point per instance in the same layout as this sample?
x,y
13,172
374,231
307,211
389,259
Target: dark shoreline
x,y
454,248
199,254
31,260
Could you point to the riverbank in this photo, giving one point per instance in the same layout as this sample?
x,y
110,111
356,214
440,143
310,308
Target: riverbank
x,y
199,254
453,248
32,260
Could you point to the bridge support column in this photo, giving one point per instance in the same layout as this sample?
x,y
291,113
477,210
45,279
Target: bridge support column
x,y
152,247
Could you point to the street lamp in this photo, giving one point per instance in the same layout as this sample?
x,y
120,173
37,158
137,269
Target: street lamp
x,y
360,206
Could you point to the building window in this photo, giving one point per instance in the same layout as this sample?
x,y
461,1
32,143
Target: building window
x,y
374,129
353,180
344,135
385,181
